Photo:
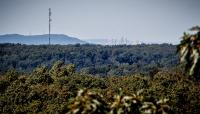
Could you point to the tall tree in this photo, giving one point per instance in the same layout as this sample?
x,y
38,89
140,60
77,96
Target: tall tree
x,y
189,50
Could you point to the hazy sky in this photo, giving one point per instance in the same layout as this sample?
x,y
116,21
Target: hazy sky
x,y
149,21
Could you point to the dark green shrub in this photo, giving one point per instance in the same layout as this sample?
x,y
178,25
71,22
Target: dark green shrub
x,y
41,75
11,75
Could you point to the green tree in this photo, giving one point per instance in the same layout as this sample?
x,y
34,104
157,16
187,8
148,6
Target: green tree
x,y
11,75
41,75
60,69
189,50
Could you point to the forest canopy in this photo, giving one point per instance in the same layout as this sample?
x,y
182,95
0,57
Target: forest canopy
x,y
90,59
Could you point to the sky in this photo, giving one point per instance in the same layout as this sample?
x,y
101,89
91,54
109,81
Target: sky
x,y
147,21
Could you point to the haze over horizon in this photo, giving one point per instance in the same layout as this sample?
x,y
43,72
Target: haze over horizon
x,y
155,21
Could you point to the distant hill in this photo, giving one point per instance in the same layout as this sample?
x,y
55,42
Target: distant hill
x,y
39,39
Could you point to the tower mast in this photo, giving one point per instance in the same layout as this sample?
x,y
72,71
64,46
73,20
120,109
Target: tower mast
x,y
50,26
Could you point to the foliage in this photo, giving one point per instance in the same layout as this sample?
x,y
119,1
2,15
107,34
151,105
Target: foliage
x,y
90,59
59,69
41,76
93,103
34,93
189,50
88,102
11,75
52,86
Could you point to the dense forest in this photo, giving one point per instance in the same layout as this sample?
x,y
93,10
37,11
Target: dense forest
x,y
97,60
55,90
55,79
46,79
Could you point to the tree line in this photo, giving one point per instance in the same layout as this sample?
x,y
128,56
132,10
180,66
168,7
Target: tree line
x,y
90,59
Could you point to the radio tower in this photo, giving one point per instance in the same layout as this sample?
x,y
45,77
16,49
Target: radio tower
x,y
49,25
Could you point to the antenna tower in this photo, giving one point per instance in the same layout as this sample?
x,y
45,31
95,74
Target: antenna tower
x,y
50,26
